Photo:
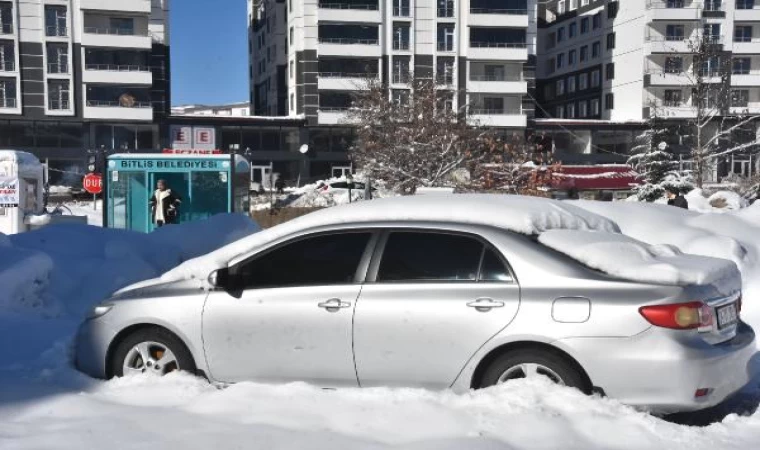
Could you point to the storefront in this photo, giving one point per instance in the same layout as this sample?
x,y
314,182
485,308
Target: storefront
x,y
206,184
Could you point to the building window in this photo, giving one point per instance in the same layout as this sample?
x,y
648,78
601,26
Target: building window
x,y
713,5
584,53
55,21
401,36
612,9
583,109
610,71
711,33
58,95
291,35
6,18
58,57
292,69
559,112
596,78
560,60
739,98
743,33
7,92
445,8
445,70
560,87
560,34
571,84
595,110
292,101
745,4
672,98
674,33
673,64
609,101
571,110
582,81
7,56
610,41
400,70
446,37
122,25
596,21
561,7
572,30
401,8
596,49
584,25
400,97
571,56
741,66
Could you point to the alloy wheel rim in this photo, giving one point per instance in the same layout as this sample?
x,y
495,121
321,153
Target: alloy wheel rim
x,y
150,357
531,371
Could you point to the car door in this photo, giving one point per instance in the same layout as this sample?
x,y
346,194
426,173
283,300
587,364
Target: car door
x,y
293,320
431,300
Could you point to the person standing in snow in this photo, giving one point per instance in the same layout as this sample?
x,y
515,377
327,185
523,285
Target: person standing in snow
x,y
675,198
164,204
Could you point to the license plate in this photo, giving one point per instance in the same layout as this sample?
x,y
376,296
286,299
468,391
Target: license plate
x,y
727,315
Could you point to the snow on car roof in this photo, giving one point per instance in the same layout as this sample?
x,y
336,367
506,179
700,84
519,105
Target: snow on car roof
x,y
525,215
627,258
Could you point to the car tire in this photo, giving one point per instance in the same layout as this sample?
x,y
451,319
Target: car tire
x,y
531,362
151,350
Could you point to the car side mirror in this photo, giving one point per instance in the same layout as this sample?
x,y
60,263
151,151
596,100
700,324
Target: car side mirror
x,y
227,280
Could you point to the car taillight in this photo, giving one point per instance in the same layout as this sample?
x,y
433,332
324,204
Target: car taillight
x,y
679,316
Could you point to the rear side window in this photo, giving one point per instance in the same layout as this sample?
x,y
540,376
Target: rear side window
x,y
493,268
414,256
316,261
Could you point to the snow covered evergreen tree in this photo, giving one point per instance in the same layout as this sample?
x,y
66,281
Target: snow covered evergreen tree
x,y
650,158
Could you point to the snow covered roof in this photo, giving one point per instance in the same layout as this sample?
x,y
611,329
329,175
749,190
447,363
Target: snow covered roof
x,y
625,257
526,215
601,177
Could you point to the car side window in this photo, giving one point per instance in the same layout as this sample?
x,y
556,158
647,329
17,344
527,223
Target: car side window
x,y
329,259
493,268
429,256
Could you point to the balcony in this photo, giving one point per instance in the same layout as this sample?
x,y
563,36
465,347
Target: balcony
x,y
685,10
505,84
498,117
663,78
349,46
515,51
58,69
117,74
752,108
115,38
670,44
116,110
747,15
747,46
132,6
675,110
750,79
494,17
333,116
349,12
343,81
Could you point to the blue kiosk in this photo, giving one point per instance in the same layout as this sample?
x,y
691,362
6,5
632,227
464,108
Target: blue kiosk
x,y
208,184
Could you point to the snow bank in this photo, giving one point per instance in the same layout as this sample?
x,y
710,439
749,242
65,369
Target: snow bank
x,y
66,268
527,215
628,258
721,201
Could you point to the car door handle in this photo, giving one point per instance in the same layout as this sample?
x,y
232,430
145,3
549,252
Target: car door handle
x,y
334,304
485,304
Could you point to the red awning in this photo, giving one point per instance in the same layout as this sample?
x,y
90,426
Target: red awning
x,y
601,177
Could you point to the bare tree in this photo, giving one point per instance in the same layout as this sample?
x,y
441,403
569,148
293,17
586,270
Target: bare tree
x,y
420,140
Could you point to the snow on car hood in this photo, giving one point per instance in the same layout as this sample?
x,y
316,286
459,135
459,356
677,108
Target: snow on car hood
x,y
625,257
525,215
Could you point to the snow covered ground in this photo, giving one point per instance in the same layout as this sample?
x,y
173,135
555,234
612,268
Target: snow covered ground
x,y
58,272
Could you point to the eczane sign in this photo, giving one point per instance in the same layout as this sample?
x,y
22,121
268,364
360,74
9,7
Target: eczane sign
x,y
184,137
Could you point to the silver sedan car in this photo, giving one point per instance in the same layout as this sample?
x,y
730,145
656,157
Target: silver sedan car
x,y
425,304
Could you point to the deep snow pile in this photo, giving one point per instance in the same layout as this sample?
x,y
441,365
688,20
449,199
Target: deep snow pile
x,y
45,404
322,194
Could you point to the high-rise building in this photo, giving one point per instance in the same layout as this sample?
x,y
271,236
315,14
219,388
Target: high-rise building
x,y
82,74
308,56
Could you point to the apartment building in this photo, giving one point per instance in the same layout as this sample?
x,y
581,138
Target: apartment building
x,y
308,56
82,74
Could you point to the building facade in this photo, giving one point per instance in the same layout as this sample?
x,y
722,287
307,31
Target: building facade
x,y
308,56
82,74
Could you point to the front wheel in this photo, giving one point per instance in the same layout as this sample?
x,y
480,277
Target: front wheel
x,y
151,350
532,363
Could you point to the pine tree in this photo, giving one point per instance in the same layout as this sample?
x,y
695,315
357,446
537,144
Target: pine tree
x,y
650,158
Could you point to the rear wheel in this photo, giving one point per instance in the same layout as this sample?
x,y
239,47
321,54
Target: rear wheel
x,y
151,350
531,363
